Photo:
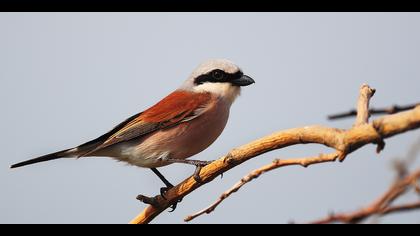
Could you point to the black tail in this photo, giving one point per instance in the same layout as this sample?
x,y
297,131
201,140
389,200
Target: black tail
x,y
48,157
82,150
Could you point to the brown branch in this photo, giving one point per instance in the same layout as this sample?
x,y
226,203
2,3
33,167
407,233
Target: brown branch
x,y
304,162
363,114
401,208
381,111
359,216
381,206
343,141
362,118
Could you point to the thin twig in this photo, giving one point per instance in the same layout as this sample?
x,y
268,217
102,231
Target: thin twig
x,y
401,208
304,162
380,206
359,216
380,111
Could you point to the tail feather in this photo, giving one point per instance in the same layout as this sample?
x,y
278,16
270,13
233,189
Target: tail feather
x,y
61,154
85,149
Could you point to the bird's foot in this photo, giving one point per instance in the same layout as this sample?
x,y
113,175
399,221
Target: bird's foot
x,y
198,166
164,190
153,201
197,163
173,207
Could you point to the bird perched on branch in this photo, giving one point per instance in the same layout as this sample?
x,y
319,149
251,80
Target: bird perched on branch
x,y
179,126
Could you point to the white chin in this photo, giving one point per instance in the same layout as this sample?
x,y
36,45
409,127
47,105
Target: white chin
x,y
224,90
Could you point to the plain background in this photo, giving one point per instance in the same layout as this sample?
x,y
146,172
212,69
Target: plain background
x,y
69,77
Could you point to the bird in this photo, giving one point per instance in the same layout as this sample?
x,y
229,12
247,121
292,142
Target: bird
x,y
181,125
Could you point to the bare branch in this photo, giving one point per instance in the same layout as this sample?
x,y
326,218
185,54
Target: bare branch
x,y
395,191
401,208
357,217
362,119
343,141
381,111
381,206
363,114
304,162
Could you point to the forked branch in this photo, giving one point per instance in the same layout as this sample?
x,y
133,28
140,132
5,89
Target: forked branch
x,y
382,205
343,142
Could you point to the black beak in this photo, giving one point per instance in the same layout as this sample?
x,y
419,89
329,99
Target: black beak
x,y
244,80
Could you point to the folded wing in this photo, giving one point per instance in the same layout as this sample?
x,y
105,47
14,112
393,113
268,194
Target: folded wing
x,y
177,107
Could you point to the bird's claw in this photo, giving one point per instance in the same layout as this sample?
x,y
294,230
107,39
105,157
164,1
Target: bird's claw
x,y
164,190
153,201
173,207
197,171
197,178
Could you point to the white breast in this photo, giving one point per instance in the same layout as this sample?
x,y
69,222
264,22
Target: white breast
x,y
225,91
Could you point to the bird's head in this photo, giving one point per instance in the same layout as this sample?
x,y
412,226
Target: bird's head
x,y
220,77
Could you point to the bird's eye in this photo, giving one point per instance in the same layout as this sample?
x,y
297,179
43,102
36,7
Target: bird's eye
x,y
217,74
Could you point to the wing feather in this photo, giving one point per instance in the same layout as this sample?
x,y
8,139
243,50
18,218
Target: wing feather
x,y
177,107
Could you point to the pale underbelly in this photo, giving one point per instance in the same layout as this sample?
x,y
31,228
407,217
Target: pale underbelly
x,y
179,142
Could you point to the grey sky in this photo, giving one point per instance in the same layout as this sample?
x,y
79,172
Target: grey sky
x,y
69,77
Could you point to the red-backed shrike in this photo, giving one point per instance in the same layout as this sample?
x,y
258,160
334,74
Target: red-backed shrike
x,y
179,126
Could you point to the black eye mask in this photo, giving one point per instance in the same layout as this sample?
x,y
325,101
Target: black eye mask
x,y
217,76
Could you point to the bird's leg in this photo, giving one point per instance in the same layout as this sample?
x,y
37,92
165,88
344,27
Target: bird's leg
x,y
164,180
197,163
163,190
196,174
